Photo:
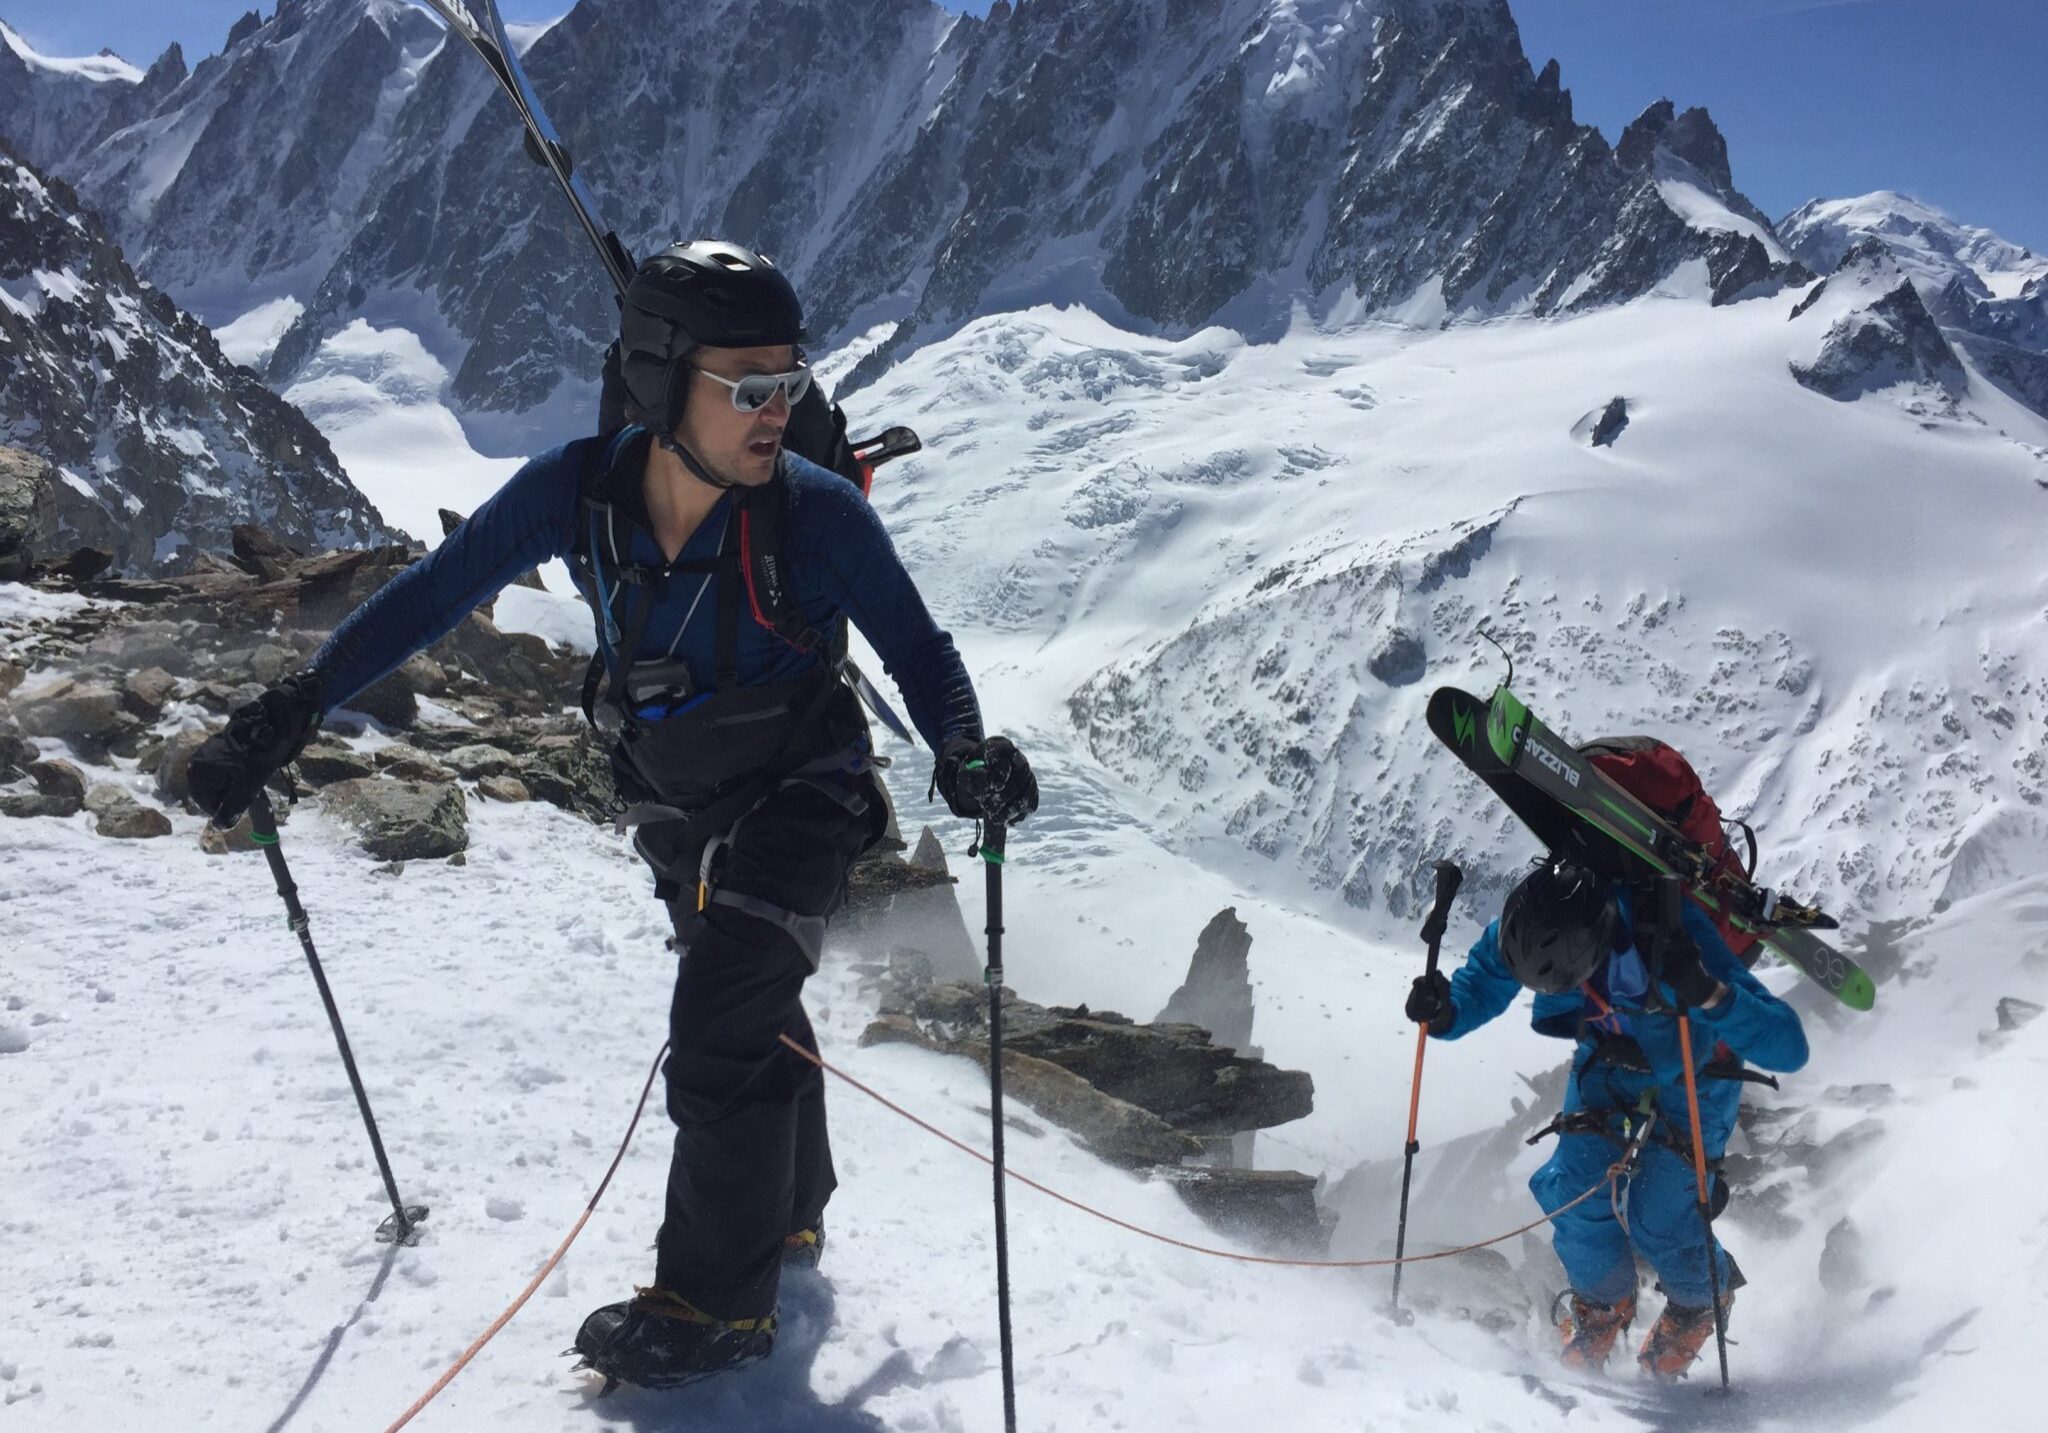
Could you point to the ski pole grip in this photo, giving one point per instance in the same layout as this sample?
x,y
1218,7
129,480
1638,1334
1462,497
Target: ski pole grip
x,y
261,820
1448,879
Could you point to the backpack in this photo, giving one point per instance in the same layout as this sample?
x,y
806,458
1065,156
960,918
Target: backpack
x,y
1656,774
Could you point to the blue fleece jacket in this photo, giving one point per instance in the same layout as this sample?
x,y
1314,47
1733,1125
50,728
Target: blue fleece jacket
x,y
1752,1022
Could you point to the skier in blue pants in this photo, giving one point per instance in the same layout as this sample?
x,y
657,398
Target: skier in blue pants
x,y
1569,935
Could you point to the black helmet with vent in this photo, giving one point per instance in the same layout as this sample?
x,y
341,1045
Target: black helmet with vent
x,y
707,293
1558,926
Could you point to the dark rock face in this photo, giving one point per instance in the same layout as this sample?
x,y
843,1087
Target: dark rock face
x,y
1400,660
1168,162
1217,995
1894,340
1158,1096
1269,1208
1613,419
1173,1071
160,445
28,512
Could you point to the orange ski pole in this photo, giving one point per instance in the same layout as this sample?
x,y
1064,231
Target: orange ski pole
x,y
1668,897
1448,878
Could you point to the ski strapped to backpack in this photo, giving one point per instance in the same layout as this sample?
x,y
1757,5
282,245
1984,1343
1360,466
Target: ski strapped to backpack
x,y
1575,808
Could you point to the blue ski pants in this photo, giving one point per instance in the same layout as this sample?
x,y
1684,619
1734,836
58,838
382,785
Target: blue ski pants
x,y
1661,1204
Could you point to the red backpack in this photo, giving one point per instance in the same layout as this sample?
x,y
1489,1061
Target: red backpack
x,y
1655,774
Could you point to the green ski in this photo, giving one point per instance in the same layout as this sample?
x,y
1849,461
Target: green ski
x,y
1522,759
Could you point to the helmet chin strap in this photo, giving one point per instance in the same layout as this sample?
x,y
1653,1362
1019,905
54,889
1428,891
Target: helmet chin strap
x,y
689,460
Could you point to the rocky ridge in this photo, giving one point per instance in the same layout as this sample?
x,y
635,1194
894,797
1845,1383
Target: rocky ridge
x,y
159,445
1169,164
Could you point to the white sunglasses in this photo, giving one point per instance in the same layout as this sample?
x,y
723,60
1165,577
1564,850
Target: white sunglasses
x,y
757,390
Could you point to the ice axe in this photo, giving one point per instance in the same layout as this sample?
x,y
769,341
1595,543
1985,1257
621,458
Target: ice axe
x,y
1448,879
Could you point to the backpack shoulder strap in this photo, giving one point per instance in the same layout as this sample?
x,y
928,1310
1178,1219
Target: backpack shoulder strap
x,y
764,570
603,561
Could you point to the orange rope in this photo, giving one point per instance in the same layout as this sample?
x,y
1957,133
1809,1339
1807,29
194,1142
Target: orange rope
x,y
1607,1179
545,1269
555,1258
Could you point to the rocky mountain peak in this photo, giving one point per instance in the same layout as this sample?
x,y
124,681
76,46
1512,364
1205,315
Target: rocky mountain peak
x,y
1169,165
242,29
160,444
1692,137
167,72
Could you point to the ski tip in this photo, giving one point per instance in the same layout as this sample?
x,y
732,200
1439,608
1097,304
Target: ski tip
x,y
1859,992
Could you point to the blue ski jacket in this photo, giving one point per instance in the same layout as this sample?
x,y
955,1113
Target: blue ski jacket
x,y
840,560
1754,1024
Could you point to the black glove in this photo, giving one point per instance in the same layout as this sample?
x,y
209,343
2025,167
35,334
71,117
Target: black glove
x,y
986,780
1679,957
228,772
1430,1004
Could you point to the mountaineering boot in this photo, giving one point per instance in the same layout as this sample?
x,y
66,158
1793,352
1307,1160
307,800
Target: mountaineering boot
x,y
1678,1336
1590,1329
804,1249
659,1340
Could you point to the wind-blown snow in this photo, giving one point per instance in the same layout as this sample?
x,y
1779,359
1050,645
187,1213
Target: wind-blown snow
x,y
100,69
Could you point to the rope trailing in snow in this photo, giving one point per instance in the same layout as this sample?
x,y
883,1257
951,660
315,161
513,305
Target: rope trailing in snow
x,y
545,1269
1614,1172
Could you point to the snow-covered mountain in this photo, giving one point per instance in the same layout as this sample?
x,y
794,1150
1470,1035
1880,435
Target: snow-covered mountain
x,y
1932,247
161,443
53,110
1988,295
1168,164
1243,568
282,130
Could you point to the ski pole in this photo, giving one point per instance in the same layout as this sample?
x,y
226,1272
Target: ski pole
x,y
1448,878
991,849
402,1226
1668,897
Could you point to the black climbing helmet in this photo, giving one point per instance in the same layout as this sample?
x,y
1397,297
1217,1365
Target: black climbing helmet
x,y
1558,926
708,293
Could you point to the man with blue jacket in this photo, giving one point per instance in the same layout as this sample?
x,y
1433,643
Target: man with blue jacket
x,y
720,569
1571,936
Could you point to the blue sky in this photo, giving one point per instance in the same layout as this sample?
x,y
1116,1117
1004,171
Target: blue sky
x,y
1944,99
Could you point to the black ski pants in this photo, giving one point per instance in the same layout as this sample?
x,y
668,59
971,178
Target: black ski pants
x,y
752,1162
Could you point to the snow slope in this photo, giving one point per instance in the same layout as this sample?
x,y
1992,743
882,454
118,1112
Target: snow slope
x,y
1181,573
377,395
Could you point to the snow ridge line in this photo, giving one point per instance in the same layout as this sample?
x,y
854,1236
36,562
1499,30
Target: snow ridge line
x,y
545,1269
1614,1172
